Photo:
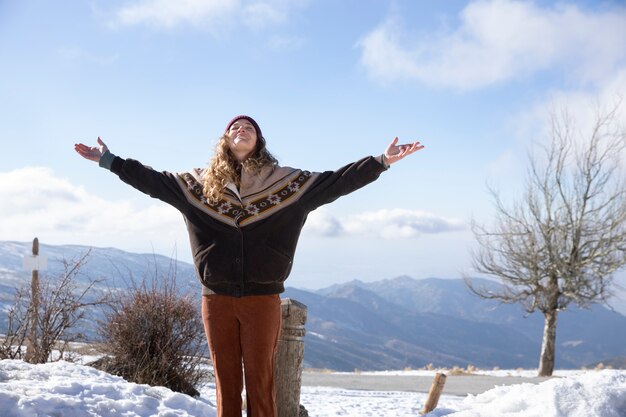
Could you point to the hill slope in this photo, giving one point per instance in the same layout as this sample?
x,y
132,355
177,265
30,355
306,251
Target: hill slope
x,y
387,324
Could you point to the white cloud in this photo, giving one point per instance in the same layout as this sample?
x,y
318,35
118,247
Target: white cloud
x,y
207,14
166,13
36,203
259,14
582,106
504,166
322,223
499,40
385,223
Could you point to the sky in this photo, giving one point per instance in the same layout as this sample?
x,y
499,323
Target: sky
x,y
328,81
69,389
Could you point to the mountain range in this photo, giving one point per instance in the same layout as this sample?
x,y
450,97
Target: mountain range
x,y
388,324
404,322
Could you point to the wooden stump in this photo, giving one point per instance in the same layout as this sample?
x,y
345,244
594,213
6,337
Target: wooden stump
x,y
289,358
33,352
434,393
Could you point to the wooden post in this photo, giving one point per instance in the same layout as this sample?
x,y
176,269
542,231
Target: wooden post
x,y
433,394
32,352
289,358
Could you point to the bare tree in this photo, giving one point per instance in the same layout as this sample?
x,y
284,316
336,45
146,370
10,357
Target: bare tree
x,y
18,315
562,241
62,304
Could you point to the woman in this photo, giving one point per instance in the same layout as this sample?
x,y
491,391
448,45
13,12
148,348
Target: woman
x,y
244,214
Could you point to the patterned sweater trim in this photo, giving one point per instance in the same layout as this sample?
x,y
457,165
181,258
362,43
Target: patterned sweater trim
x,y
262,195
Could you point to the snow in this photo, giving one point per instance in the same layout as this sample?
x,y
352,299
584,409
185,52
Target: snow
x,y
72,390
601,394
526,373
325,402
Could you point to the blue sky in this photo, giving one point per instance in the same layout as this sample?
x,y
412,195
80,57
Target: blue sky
x,y
328,81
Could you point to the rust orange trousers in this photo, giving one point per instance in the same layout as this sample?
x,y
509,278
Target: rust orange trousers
x,y
243,331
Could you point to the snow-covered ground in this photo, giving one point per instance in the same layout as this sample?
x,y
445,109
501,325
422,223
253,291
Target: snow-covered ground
x,y
64,389
527,373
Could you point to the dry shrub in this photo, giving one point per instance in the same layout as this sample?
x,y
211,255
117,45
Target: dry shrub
x,y
471,369
61,302
456,371
153,335
13,343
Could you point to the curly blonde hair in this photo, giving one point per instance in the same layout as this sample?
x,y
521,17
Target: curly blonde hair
x,y
224,168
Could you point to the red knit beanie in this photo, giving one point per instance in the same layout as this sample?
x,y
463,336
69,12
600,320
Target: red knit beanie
x,y
248,118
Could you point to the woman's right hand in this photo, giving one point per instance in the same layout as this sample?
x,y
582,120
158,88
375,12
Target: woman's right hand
x,y
93,153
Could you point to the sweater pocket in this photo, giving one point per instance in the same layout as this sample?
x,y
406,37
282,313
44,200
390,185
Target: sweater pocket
x,y
273,264
204,259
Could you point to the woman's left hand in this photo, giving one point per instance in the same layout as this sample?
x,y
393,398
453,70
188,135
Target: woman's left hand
x,y
396,152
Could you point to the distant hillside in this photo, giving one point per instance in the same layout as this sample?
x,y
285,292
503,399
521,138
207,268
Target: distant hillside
x,y
116,269
582,334
467,329
361,330
387,324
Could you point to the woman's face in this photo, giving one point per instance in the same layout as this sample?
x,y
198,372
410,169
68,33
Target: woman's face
x,y
242,139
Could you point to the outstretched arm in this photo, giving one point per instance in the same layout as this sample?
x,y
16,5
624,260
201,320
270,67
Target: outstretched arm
x,y
162,185
395,152
93,153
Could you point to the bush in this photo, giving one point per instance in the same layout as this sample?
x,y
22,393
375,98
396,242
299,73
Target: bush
x,y
153,335
13,344
61,304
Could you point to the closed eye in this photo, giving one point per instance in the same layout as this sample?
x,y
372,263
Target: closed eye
x,y
249,128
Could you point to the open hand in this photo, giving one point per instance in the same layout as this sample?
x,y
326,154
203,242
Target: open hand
x,y
396,152
92,153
